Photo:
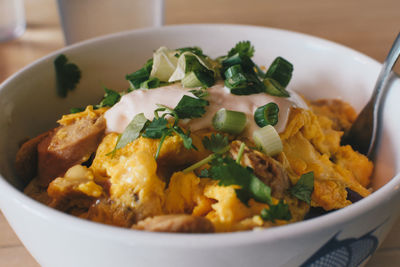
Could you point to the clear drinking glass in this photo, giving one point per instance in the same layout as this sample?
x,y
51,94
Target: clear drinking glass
x,y
12,19
83,19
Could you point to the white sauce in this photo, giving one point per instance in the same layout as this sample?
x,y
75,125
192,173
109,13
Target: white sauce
x,y
145,101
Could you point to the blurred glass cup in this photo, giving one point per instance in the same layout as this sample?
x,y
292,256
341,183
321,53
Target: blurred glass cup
x,y
84,19
12,19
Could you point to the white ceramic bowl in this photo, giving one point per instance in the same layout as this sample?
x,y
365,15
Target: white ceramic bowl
x,y
29,105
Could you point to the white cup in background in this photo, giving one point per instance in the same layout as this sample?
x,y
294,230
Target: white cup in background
x,y
84,19
12,19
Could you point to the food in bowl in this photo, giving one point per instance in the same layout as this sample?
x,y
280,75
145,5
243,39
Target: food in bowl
x,y
198,145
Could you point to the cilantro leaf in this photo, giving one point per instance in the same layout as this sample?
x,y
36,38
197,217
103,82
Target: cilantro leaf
x,y
190,107
204,173
243,48
110,98
187,140
131,132
138,77
228,172
156,128
217,143
279,211
304,187
68,75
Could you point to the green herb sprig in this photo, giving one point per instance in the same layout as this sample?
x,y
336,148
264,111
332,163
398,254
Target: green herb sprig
x,y
304,187
279,211
68,75
228,172
160,127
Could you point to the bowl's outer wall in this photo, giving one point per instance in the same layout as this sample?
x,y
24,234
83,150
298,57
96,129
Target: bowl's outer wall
x,y
29,105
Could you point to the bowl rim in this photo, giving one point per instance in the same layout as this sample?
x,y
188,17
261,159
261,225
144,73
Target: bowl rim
x,y
202,240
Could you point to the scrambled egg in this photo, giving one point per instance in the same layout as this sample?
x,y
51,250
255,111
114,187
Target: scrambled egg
x,y
132,180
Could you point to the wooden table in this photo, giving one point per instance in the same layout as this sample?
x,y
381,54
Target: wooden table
x,y
369,26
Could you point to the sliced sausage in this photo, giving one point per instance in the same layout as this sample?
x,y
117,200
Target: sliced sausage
x,y
270,171
76,190
67,146
176,223
26,160
107,211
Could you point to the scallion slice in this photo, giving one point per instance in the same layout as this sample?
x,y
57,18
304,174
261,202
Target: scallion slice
x,y
281,71
188,62
268,140
164,64
233,71
229,121
241,83
273,88
190,80
203,78
267,115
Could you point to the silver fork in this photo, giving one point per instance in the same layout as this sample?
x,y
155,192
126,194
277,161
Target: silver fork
x,y
364,133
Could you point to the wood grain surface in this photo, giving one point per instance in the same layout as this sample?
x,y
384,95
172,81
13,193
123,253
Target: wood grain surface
x,y
368,26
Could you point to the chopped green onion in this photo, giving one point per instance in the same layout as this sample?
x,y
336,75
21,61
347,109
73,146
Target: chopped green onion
x,y
164,64
233,71
198,79
268,140
237,59
229,121
240,153
153,82
188,62
241,83
281,71
190,80
267,115
273,88
236,82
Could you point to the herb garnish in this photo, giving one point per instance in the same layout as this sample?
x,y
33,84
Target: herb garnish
x,y
110,98
243,48
68,75
190,107
304,187
131,132
217,143
160,127
279,211
138,77
228,172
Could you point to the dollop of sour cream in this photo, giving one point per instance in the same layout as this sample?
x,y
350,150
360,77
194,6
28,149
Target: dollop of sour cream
x,y
145,101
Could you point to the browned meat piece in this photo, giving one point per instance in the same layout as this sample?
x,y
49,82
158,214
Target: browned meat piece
x,y
270,171
75,191
67,146
27,158
109,212
176,223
